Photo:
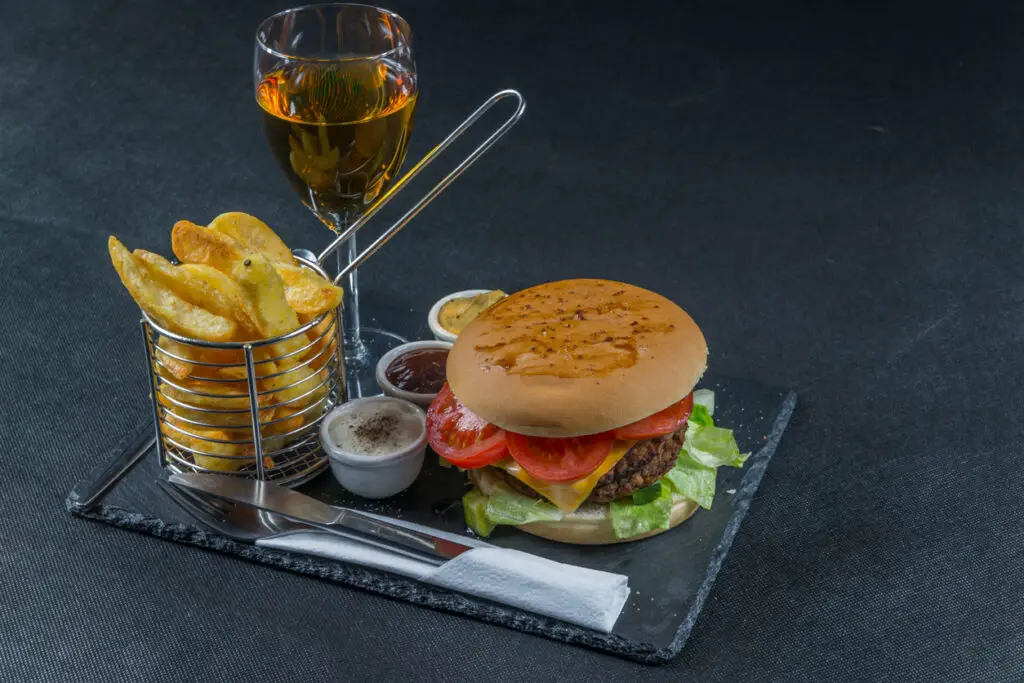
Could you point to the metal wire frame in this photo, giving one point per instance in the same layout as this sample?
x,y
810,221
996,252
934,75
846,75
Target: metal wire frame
x,y
441,186
206,422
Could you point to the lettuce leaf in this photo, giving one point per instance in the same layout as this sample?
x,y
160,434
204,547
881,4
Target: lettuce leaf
x,y
474,507
706,448
706,398
629,519
713,446
646,494
692,480
514,509
700,416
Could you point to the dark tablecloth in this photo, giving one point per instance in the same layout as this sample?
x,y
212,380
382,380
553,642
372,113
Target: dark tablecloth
x,y
831,189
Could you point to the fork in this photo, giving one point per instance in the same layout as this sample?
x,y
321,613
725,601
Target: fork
x,y
249,525
237,522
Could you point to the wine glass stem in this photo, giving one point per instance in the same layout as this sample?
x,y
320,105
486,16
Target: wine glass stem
x,y
355,350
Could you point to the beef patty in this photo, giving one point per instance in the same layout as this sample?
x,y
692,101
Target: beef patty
x,y
645,463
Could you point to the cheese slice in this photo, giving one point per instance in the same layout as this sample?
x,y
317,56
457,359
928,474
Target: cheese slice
x,y
569,496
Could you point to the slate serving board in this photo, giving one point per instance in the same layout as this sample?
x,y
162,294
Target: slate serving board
x,y
670,575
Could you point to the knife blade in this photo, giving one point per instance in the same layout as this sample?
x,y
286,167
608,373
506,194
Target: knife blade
x,y
337,520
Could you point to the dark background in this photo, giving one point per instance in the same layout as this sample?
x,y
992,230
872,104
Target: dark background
x,y
832,190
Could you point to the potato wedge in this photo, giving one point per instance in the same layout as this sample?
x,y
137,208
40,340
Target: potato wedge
x,y
230,421
254,234
295,384
191,406
240,306
222,298
163,305
307,293
203,356
264,287
175,358
322,335
230,364
199,442
228,395
203,439
260,283
220,356
289,423
193,243
239,373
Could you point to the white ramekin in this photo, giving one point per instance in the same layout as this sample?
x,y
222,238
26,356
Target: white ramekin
x,y
435,310
390,389
374,476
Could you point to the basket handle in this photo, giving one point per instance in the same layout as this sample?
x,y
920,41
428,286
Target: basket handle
x,y
438,189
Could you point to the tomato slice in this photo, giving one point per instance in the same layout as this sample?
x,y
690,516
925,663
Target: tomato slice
x,y
659,424
559,459
461,437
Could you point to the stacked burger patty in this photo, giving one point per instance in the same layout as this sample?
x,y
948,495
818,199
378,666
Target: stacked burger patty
x,y
644,464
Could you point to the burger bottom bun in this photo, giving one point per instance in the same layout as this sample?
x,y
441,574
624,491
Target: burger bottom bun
x,y
591,524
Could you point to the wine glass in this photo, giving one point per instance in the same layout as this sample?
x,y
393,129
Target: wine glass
x,y
336,85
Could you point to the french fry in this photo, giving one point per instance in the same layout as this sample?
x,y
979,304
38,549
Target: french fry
x,y
276,435
163,305
253,234
261,283
237,281
307,293
218,456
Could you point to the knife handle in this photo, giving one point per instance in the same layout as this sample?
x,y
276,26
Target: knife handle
x,y
410,542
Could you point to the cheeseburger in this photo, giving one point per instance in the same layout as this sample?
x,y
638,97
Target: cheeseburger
x,y
571,407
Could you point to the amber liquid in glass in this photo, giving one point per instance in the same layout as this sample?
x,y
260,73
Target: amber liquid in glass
x,y
339,130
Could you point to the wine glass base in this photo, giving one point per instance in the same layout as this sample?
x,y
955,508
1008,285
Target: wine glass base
x,y
361,360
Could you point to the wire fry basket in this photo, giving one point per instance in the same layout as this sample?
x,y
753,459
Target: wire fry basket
x,y
249,409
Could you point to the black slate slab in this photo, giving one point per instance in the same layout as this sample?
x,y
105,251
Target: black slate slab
x,y
670,575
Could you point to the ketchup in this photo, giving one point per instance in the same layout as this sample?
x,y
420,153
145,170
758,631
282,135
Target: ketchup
x,y
420,371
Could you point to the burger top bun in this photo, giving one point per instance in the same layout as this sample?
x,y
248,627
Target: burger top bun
x,y
576,357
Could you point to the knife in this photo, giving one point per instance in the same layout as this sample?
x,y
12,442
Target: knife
x,y
337,520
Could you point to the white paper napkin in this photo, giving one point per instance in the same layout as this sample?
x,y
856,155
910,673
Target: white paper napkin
x,y
587,597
